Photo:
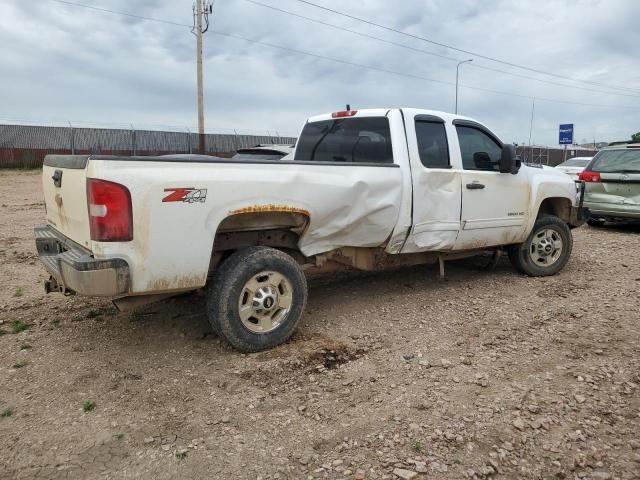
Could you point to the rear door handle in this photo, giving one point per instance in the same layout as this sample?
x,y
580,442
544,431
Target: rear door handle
x,y
475,186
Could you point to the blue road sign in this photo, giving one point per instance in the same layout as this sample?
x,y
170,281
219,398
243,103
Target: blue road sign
x,y
566,134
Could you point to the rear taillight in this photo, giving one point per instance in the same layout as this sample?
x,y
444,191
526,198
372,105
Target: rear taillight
x,y
110,217
589,176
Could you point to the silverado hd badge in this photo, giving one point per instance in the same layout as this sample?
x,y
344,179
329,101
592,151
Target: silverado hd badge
x,y
186,195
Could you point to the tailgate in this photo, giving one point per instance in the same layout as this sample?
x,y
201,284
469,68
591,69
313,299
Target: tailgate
x,y
64,184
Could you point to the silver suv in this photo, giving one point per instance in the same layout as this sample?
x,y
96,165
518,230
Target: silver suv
x,y
612,185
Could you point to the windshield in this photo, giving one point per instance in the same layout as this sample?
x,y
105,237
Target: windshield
x,y
576,162
617,161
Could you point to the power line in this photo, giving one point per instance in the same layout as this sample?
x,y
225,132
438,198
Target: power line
x,y
485,57
346,62
426,52
115,12
409,75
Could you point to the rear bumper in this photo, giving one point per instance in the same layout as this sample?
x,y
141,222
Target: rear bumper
x,y
74,269
613,210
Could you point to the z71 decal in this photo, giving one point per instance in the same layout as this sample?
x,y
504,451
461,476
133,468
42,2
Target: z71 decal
x,y
186,195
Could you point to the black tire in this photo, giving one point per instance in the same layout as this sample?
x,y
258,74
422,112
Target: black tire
x,y
230,281
595,222
521,256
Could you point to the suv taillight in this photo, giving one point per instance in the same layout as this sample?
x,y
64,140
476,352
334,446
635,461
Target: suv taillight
x,y
110,217
589,176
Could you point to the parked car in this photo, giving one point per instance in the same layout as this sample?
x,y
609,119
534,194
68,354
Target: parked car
x,y
367,189
263,152
612,185
574,166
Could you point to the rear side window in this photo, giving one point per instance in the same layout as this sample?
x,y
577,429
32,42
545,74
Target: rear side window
x,y
432,144
349,140
612,161
479,151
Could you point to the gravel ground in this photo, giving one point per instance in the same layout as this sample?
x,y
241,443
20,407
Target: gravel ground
x,y
489,374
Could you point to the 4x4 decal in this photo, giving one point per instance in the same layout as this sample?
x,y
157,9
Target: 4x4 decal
x,y
186,195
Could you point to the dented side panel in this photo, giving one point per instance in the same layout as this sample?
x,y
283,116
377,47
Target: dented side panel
x,y
348,205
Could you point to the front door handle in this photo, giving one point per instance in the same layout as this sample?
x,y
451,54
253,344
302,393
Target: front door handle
x,y
475,186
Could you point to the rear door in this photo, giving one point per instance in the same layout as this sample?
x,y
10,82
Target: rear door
x,y
436,184
494,205
64,185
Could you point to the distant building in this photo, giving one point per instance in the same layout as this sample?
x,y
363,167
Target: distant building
x,y
554,155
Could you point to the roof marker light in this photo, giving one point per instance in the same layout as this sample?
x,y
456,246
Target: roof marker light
x,y
344,114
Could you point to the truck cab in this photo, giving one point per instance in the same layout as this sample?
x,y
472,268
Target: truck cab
x,y
461,189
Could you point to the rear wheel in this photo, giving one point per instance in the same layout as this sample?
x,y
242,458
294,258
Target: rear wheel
x,y
256,298
547,249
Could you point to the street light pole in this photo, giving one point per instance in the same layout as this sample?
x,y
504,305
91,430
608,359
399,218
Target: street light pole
x,y
458,77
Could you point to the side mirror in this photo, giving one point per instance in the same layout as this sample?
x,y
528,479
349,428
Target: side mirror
x,y
509,163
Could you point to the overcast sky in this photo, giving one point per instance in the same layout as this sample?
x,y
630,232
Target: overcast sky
x,y
61,63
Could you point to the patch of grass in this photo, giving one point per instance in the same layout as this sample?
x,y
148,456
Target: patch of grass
x,y
19,292
180,455
3,332
88,406
18,326
20,364
135,316
7,412
457,461
416,447
93,314
119,436
56,323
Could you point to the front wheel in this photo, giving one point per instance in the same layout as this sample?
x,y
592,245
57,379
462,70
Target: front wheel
x,y
547,249
256,298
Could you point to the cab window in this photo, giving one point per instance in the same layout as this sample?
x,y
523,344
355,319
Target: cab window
x,y
432,144
479,151
352,140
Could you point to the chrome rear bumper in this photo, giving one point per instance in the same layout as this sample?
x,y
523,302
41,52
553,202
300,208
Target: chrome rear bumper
x,y
73,268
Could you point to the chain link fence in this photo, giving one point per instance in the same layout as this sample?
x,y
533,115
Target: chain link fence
x,y
25,146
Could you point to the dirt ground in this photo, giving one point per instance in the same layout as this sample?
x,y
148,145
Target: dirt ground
x,y
489,374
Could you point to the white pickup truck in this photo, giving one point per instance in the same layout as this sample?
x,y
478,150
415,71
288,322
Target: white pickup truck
x,y
366,189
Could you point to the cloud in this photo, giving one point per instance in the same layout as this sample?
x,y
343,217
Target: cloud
x,y
66,63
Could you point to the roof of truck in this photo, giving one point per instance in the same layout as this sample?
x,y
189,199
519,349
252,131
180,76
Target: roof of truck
x,y
381,112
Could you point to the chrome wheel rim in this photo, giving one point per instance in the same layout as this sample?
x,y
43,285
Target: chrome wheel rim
x,y
265,302
546,247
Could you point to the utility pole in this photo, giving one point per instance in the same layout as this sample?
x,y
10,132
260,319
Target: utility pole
x,y
458,76
533,111
201,11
